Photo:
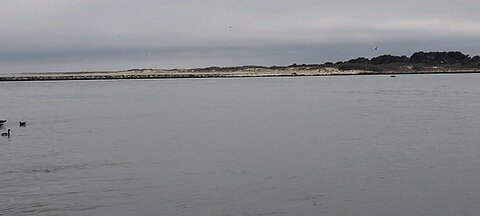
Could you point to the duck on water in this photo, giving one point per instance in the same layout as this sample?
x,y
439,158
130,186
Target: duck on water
x,y
7,133
2,122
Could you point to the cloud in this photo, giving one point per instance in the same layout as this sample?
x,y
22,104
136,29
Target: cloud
x,y
81,35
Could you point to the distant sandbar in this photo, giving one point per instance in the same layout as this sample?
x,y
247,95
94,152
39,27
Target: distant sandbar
x,y
207,73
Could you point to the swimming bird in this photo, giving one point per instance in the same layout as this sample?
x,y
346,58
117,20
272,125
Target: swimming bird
x,y
376,48
6,134
22,124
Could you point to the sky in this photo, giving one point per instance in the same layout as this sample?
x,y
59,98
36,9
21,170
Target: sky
x,y
85,35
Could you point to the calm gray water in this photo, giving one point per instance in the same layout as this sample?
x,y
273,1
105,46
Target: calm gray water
x,y
360,145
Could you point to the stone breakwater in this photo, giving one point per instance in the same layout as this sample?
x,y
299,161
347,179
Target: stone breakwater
x,y
163,74
166,74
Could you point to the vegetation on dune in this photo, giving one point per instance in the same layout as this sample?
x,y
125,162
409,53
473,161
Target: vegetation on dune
x,y
419,61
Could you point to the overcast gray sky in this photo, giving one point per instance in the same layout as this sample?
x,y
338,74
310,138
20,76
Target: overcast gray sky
x,y
79,35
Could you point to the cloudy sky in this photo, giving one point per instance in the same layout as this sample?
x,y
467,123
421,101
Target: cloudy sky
x,y
80,35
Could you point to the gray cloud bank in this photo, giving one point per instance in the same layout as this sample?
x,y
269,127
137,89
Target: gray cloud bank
x,y
79,35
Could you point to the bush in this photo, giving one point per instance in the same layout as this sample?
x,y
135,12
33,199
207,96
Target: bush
x,y
386,59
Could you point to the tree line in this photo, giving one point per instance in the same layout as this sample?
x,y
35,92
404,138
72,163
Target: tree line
x,y
418,61
429,58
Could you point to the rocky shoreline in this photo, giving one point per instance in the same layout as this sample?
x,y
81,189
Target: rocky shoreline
x,y
186,73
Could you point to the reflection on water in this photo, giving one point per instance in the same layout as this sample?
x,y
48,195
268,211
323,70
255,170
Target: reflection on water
x,y
362,145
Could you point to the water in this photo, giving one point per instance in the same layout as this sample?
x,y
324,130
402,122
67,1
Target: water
x,y
360,145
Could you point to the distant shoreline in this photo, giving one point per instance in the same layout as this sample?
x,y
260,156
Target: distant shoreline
x,y
452,62
185,73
